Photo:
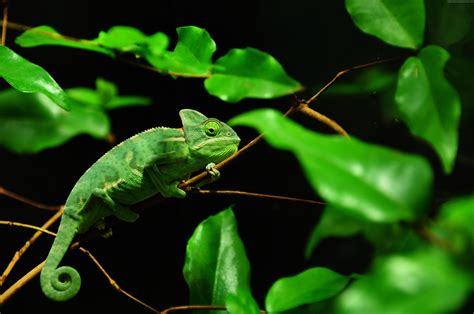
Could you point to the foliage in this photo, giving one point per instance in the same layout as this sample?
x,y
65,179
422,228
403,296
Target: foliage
x,y
373,190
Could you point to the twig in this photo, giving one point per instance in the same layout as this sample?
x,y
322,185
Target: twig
x,y
4,22
113,283
257,195
196,307
28,201
303,108
20,283
27,244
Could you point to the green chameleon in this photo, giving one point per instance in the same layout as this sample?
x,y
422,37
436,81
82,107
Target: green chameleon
x,y
151,162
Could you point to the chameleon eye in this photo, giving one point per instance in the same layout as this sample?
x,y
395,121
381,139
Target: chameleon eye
x,y
212,128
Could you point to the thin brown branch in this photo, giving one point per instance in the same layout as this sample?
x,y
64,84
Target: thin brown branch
x,y
27,200
4,22
303,108
27,244
345,71
193,307
7,294
113,283
256,195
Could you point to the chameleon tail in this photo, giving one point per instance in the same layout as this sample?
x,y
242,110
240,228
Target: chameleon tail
x,y
63,283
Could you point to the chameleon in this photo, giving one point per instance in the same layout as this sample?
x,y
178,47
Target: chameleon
x,y
151,162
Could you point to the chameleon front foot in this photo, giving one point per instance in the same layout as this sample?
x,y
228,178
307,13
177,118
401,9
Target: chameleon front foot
x,y
213,172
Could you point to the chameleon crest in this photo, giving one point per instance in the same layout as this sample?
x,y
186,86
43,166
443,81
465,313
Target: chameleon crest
x,y
151,162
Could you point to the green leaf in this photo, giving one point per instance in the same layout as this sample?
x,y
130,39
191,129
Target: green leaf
x,y
313,285
105,96
429,104
424,281
46,35
242,303
398,23
191,56
216,263
157,43
249,73
28,77
124,38
367,181
31,122
333,222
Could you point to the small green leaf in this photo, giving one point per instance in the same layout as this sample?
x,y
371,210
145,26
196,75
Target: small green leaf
x,y
368,181
191,56
241,303
46,35
31,122
333,222
105,96
429,104
424,281
28,77
313,285
398,23
123,38
249,73
157,43
216,263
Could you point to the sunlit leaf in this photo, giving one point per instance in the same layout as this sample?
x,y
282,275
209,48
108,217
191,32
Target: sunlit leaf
x,y
369,181
429,104
424,281
398,23
28,77
46,35
191,56
216,263
249,73
31,122
312,285
124,38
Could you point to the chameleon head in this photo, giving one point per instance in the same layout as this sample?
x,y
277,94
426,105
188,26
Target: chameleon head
x,y
209,139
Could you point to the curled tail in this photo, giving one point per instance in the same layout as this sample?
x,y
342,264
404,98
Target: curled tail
x,y
63,283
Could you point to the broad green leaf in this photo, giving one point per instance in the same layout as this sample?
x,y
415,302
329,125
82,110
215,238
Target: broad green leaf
x,y
105,96
424,281
192,55
398,23
216,263
249,73
447,23
28,77
156,43
46,35
31,122
368,181
368,82
429,104
241,303
333,222
455,223
124,38
313,285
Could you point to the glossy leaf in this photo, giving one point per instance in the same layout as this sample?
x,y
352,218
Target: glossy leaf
x,y
249,73
216,263
398,23
424,281
28,77
105,96
31,122
46,35
191,56
124,38
368,181
241,303
313,285
429,104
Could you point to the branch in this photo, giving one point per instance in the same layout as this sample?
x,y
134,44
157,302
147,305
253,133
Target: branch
x,y
4,22
28,201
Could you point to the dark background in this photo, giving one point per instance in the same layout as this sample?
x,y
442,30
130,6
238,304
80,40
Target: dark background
x,y
313,40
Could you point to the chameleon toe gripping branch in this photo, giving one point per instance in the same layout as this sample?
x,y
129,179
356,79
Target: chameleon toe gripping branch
x,y
151,162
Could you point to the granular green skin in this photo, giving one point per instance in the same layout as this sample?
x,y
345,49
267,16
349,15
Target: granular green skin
x,y
151,162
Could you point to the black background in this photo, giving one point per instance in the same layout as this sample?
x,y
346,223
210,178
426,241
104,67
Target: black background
x,y
313,40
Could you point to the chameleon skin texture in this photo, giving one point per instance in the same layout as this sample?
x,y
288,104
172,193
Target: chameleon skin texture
x,y
151,162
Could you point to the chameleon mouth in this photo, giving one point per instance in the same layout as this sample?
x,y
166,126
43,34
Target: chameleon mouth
x,y
220,142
